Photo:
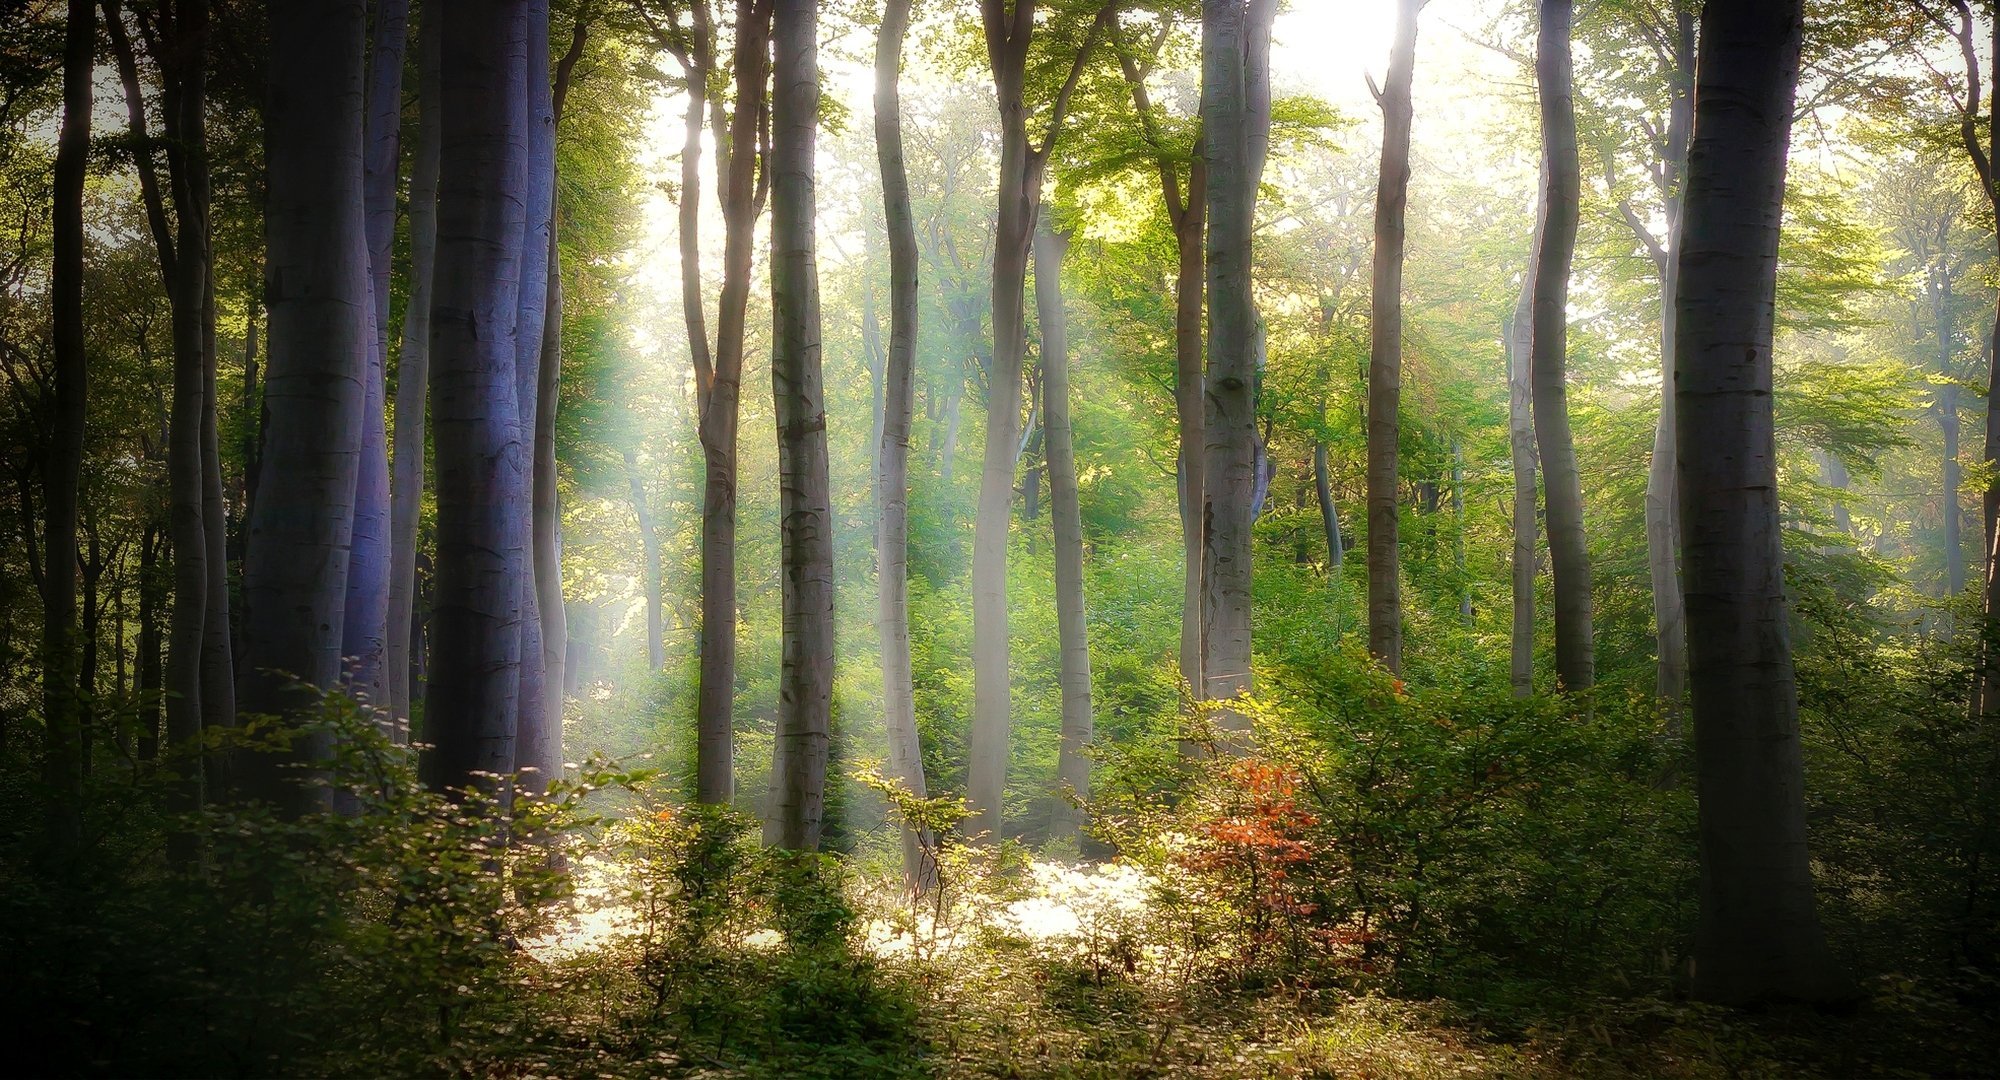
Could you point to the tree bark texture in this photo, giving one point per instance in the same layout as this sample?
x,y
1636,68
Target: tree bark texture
x,y
533,703
1072,629
805,510
316,293
1385,349
474,684
892,474
1329,516
1569,557
1758,935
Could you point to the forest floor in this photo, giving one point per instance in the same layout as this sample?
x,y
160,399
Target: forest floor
x,y
1042,979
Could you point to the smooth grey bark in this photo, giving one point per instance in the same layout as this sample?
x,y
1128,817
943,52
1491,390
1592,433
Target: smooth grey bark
x,y
406,489
473,688
649,545
316,295
1385,349
366,630
1562,486
1758,935
805,506
1235,108
1066,516
1023,163
744,185
63,752
892,474
1329,516
1521,450
1945,405
533,701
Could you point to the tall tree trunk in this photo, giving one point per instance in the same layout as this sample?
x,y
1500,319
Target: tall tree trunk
x,y
805,511
1385,350
147,673
1759,936
1987,693
406,489
649,544
1946,406
743,186
892,475
1072,631
1519,333
1022,167
365,633
1236,36
1458,530
62,758
218,661
1329,517
316,289
1569,558
533,702
474,684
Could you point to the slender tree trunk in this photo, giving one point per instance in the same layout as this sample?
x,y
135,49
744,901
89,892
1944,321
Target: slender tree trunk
x,y
1759,936
649,543
1072,766
63,749
1190,292
316,289
1946,406
365,632
892,483
533,701
805,512
474,684
218,661
1385,352
406,491
1987,694
1329,517
1833,473
1569,558
1519,333
147,668
1662,520
1458,530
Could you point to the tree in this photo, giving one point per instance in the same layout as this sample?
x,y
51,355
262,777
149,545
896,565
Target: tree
x,y
1072,631
1521,452
1022,164
1385,350
315,286
406,491
63,757
530,321
1759,935
1562,487
1236,121
892,483
805,685
473,691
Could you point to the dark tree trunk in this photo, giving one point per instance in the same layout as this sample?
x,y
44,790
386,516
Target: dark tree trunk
x,y
1329,517
1759,936
1569,558
1385,353
316,293
474,683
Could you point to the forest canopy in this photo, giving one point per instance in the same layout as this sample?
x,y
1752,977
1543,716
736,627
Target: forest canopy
x,y
1111,538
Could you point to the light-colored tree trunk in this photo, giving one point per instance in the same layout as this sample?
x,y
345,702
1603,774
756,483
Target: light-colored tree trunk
x,y
316,289
474,681
892,474
1569,557
1519,334
1385,350
1022,167
649,571
536,238
63,749
406,491
1329,516
1758,936
805,511
1072,629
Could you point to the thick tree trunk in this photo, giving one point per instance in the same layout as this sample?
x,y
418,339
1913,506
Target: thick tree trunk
x,y
743,186
1519,333
406,492
1072,631
1569,558
533,702
805,511
1759,936
1385,351
892,475
316,288
1190,293
474,683
62,757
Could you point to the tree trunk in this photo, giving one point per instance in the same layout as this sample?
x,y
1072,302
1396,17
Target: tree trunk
x,y
1946,407
1519,333
1458,530
1329,517
743,187
1569,558
406,492
62,758
1759,936
649,543
218,662
805,513
533,703
474,683
147,670
892,483
1385,351
316,289
366,631
1072,766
